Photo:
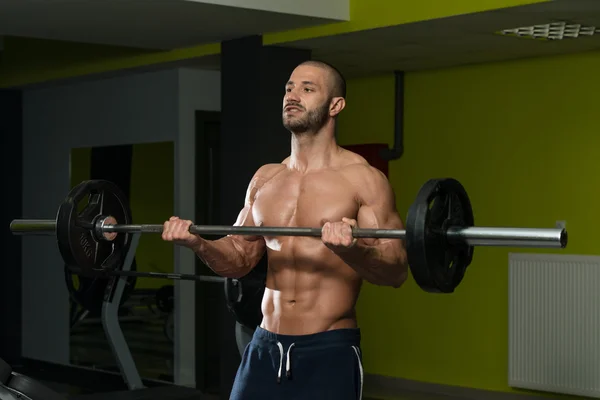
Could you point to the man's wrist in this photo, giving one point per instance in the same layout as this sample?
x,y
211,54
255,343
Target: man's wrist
x,y
199,246
357,251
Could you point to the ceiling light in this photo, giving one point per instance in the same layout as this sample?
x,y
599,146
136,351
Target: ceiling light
x,y
552,31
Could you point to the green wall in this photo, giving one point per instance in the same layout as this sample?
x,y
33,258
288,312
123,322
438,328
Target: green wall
x,y
152,201
521,136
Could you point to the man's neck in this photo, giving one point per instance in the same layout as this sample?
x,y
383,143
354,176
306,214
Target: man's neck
x,y
312,151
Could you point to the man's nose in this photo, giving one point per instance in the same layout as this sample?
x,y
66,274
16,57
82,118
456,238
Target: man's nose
x,y
291,97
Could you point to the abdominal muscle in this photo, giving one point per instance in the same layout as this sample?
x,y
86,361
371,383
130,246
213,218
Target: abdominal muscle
x,y
309,289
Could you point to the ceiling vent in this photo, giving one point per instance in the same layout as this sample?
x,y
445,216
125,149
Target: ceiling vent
x,y
552,31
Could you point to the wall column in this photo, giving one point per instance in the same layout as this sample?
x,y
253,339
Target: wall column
x,y
253,81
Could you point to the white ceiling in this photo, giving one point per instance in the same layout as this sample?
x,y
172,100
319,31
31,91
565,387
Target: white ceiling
x,y
459,40
150,24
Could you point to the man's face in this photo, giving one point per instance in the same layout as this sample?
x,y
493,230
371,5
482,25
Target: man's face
x,y
307,99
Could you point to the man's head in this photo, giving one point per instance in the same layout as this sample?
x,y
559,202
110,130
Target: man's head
x,y
314,96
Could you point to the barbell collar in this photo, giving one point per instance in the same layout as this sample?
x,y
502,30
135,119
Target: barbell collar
x,y
472,236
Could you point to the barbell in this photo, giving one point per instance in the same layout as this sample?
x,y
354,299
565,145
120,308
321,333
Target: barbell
x,y
440,233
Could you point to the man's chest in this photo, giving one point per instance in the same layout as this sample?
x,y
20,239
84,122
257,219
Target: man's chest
x,y
305,200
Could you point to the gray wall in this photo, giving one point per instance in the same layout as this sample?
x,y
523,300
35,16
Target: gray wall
x,y
148,107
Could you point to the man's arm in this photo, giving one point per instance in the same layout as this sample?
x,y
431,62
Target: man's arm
x,y
379,261
234,256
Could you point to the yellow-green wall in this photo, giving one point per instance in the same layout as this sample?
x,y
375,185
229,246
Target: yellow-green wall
x,y
523,137
152,201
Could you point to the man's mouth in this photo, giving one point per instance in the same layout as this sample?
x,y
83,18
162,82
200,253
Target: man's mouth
x,y
292,108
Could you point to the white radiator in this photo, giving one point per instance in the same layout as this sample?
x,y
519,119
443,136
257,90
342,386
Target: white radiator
x,y
554,323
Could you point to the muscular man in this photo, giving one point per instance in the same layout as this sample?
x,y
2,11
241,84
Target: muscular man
x,y
308,344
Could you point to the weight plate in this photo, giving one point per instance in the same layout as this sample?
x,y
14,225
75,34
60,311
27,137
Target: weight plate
x,y
437,265
244,298
77,216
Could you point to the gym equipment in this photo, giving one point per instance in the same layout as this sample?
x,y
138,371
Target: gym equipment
x,y
440,262
94,254
440,233
15,386
88,293
114,334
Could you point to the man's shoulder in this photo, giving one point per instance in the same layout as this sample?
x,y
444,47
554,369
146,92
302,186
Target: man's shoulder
x,y
358,165
361,170
266,172
262,175
369,181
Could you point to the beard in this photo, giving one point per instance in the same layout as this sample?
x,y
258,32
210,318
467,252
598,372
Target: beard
x,y
310,121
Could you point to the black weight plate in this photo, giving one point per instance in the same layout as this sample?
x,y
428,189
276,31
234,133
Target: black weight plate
x,y
77,241
437,265
244,300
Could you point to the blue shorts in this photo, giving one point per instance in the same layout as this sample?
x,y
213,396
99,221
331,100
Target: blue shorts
x,y
326,365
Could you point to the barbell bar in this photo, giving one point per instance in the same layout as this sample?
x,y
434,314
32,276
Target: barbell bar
x,y
472,236
440,232
159,275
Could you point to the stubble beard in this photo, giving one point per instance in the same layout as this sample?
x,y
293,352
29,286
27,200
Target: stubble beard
x,y
310,122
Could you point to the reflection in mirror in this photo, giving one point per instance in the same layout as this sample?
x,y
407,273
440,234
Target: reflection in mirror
x,y
145,174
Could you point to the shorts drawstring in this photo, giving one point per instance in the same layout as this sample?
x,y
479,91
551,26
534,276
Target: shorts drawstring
x,y
288,366
280,361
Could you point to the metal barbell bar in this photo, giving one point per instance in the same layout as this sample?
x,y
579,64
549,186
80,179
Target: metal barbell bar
x,y
473,236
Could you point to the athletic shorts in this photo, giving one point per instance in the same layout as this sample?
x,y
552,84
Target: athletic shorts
x,y
326,365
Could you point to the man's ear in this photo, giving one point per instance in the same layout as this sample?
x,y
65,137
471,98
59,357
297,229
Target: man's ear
x,y
337,105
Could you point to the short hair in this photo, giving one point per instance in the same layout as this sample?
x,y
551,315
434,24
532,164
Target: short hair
x,y
339,82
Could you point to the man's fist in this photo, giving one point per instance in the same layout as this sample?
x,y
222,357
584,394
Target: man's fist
x,y
338,235
178,231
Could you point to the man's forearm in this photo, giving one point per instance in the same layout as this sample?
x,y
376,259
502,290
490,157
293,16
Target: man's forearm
x,y
224,256
383,264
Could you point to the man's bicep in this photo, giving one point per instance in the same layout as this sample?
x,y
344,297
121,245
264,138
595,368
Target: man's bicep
x,y
245,217
253,244
378,204
251,248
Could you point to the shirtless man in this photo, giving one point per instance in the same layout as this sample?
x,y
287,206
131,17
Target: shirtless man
x,y
308,344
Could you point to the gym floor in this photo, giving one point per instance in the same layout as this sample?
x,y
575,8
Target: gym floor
x,y
73,392
145,335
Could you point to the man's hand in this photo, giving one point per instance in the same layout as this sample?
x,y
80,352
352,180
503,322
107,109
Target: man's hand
x,y
338,235
178,231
